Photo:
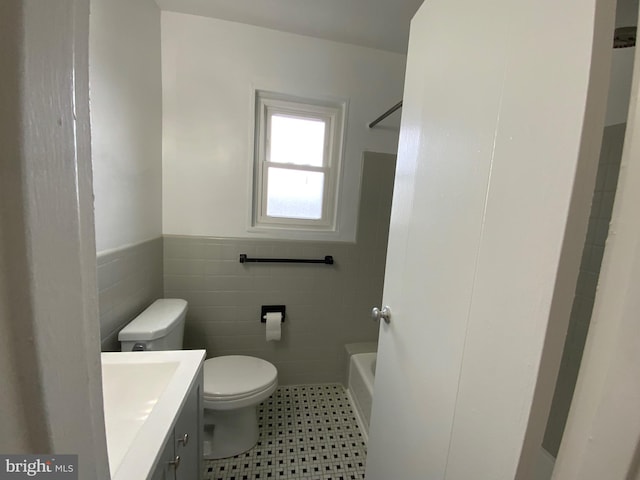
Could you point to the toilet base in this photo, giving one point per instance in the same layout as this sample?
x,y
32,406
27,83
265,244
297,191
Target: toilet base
x,y
229,432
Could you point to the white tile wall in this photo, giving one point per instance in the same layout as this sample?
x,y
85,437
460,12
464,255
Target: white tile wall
x,y
129,280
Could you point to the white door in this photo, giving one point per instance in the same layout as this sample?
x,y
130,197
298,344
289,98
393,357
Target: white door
x,y
486,227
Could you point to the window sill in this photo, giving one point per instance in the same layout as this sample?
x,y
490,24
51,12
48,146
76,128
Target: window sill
x,y
312,235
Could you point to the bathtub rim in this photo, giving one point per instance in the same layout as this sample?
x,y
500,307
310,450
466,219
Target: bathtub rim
x,y
361,362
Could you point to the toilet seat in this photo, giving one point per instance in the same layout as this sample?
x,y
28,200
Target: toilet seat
x,y
235,381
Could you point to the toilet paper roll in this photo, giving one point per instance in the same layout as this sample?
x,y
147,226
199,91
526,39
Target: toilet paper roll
x,y
274,326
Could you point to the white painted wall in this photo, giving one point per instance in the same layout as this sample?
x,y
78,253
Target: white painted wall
x,y
209,71
126,121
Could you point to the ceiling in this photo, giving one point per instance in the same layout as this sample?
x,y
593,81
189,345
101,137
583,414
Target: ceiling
x,y
381,24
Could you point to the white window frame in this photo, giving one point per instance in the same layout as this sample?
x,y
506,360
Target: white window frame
x,y
332,114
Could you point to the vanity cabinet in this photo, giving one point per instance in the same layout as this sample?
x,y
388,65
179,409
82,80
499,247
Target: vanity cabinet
x,y
181,458
164,469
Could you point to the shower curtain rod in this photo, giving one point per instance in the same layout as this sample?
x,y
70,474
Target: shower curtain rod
x,y
386,114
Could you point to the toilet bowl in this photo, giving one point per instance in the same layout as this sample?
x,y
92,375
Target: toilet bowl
x,y
234,385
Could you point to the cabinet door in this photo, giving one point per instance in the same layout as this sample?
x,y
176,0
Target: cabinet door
x,y
188,442
165,470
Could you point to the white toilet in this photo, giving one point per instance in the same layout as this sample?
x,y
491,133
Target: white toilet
x,y
233,385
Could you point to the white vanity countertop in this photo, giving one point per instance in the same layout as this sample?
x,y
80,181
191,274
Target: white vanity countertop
x,y
143,393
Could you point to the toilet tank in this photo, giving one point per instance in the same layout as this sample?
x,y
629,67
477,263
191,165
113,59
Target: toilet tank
x,y
159,327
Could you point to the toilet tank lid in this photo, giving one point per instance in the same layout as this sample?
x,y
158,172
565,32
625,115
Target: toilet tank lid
x,y
156,321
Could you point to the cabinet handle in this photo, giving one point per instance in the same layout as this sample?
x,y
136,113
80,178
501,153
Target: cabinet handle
x,y
184,440
175,463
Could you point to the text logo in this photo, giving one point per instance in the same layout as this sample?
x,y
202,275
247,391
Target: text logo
x,y
51,467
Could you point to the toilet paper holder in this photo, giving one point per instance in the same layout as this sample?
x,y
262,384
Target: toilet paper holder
x,y
272,308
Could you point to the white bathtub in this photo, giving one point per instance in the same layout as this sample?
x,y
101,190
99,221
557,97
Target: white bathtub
x,y
362,368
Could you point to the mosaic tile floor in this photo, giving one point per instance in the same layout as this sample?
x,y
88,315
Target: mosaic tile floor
x,y
307,432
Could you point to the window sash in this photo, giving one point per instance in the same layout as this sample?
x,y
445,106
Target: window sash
x,y
273,220
332,116
328,124
328,131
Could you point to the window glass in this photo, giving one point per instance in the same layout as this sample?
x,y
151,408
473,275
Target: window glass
x,y
299,141
294,193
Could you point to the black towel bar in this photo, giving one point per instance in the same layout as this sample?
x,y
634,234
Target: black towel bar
x,y
327,260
